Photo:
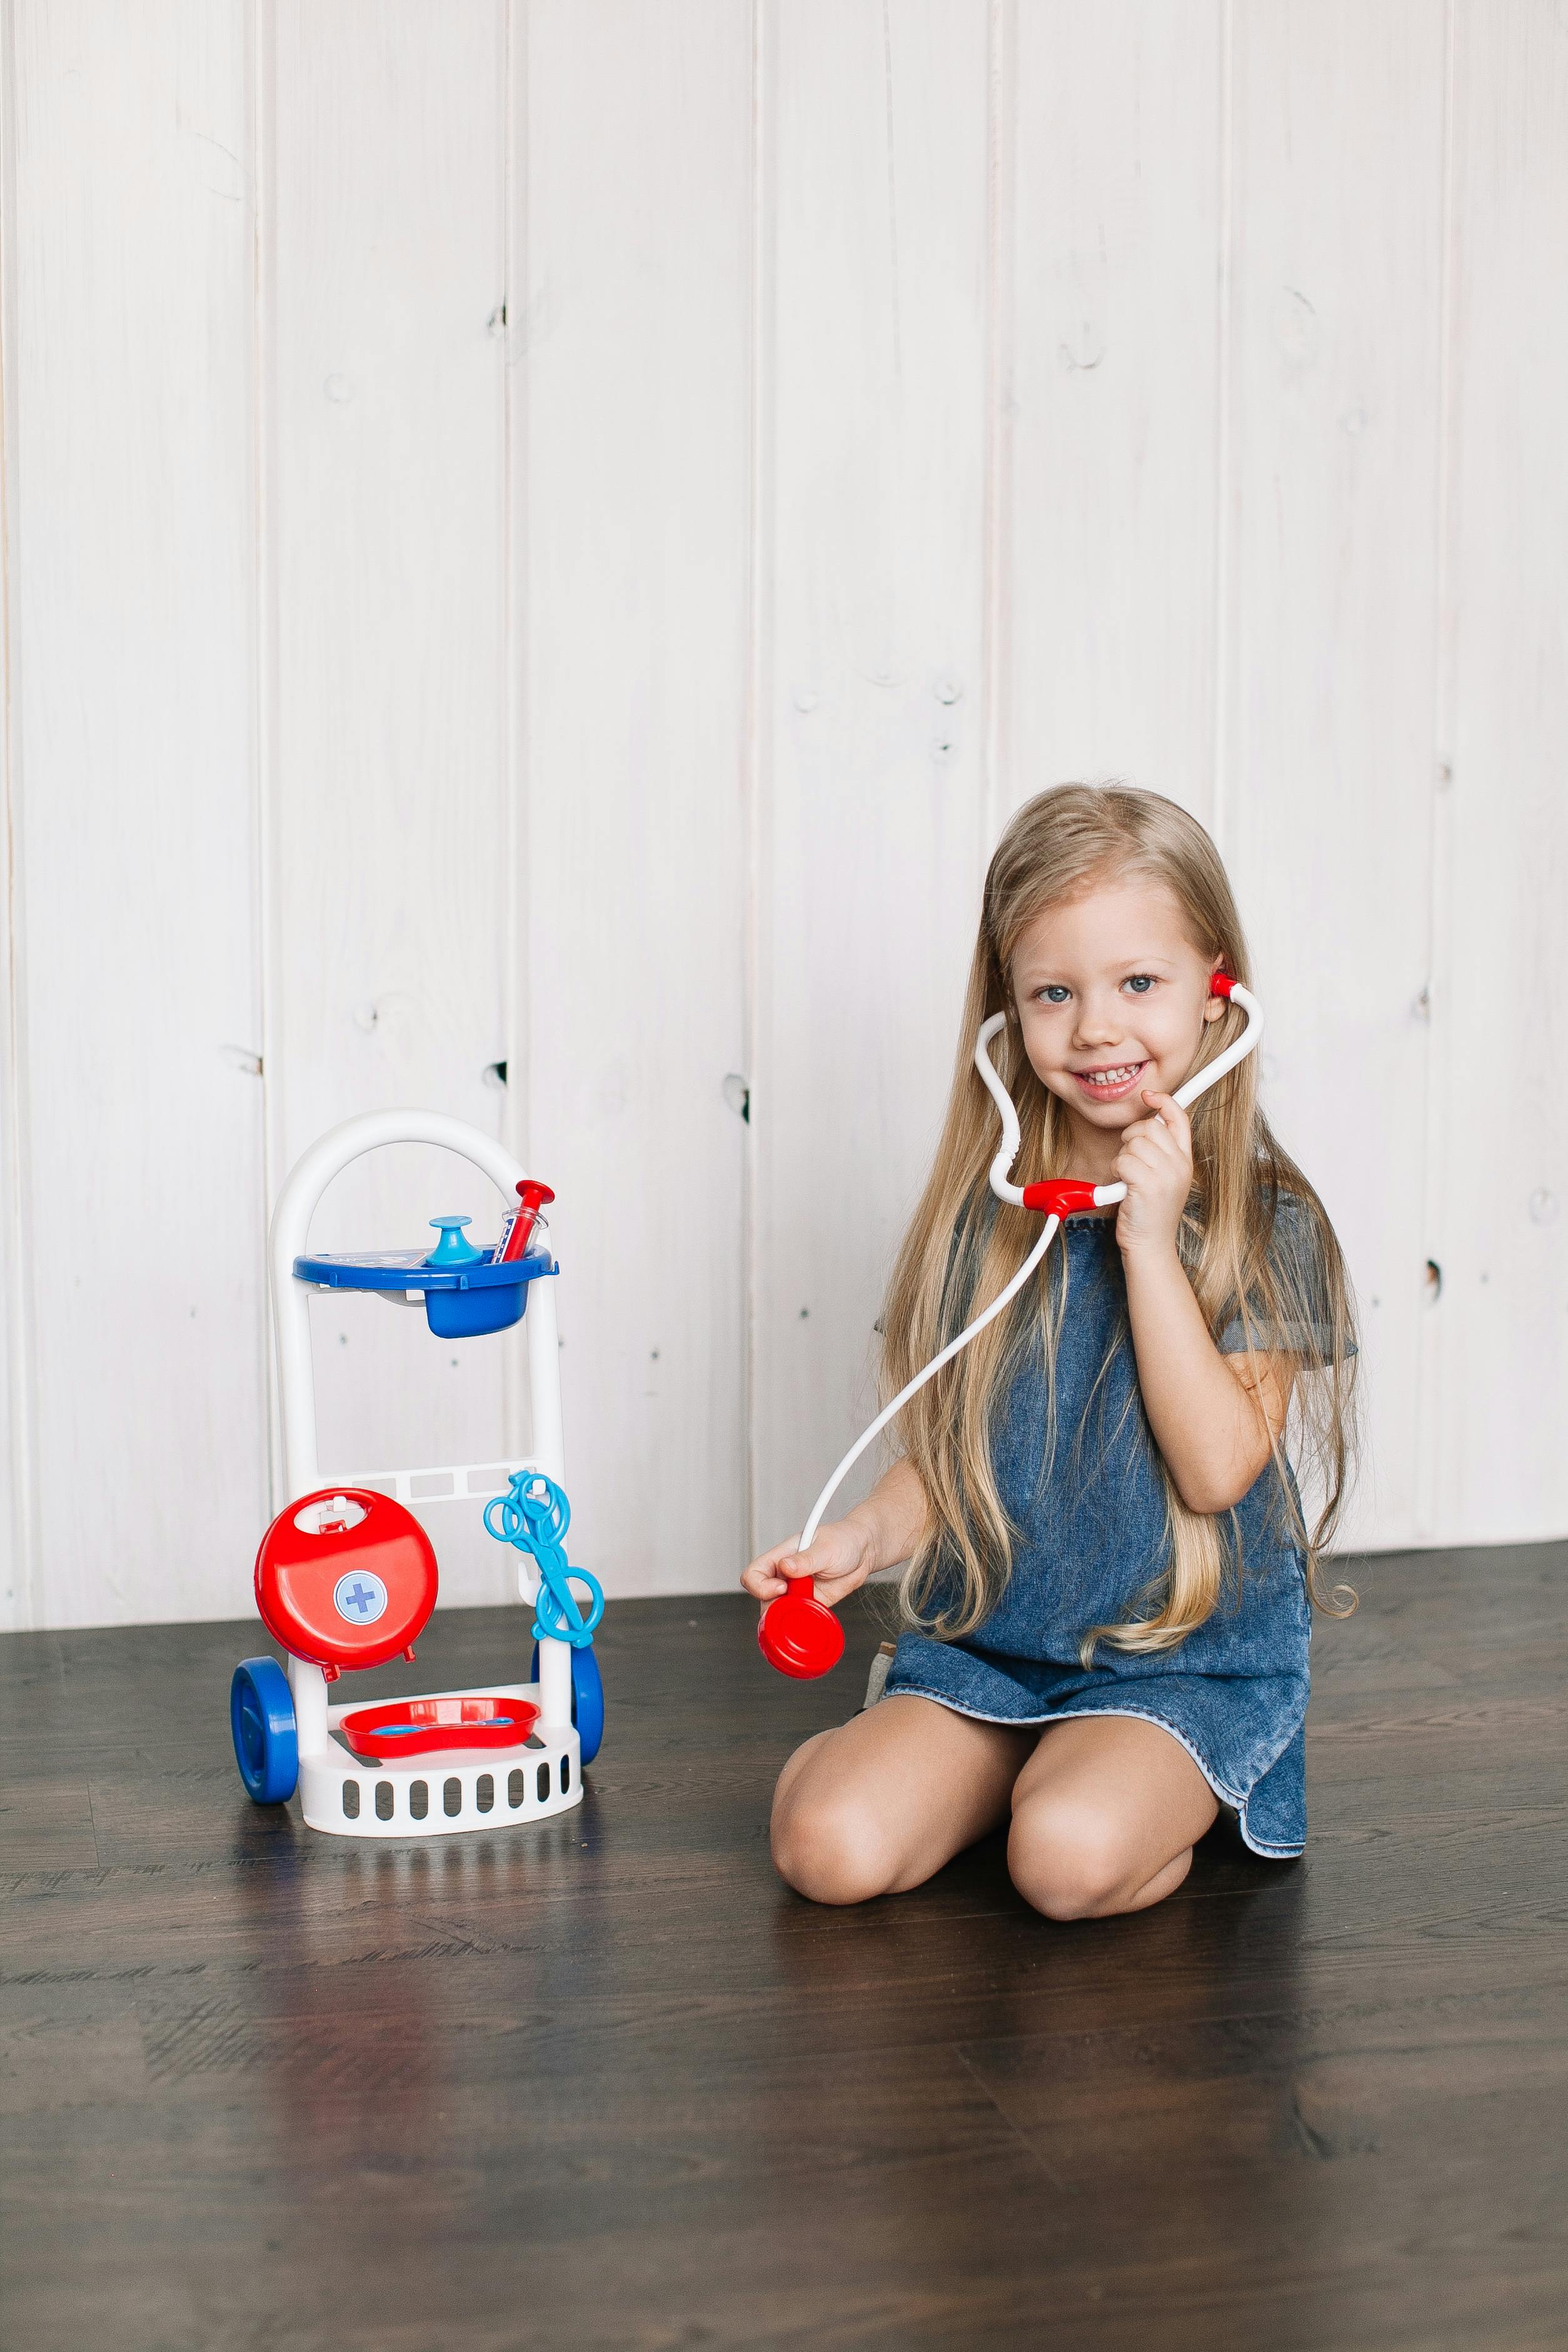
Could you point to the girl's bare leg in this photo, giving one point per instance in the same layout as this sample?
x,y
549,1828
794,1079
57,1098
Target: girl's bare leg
x,y
1106,1815
878,1805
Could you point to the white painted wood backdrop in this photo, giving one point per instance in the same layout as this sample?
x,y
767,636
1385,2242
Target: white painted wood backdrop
x,y
551,535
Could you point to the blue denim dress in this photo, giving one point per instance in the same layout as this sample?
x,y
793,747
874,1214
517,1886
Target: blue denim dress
x,y
1091,1541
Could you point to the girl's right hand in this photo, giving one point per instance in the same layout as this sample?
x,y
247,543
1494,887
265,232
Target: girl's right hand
x,y
841,1557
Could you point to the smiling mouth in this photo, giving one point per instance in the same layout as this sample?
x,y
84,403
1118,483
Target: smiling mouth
x,y
1110,1082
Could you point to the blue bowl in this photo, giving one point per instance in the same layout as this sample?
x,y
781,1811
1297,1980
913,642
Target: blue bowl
x,y
464,1314
461,1302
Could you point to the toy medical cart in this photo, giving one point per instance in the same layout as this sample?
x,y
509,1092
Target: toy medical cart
x,y
345,1577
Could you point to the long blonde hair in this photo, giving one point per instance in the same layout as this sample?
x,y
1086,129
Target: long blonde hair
x,y
962,1247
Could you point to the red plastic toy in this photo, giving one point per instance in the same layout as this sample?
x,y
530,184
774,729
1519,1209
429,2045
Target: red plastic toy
x,y
345,1577
797,1634
420,1727
531,1198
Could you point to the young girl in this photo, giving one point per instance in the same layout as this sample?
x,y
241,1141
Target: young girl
x,y
1109,1569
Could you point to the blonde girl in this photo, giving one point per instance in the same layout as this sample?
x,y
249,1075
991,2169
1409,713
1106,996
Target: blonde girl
x,y
1109,1575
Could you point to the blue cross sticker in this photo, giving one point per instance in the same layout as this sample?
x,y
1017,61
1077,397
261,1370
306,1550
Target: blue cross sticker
x,y
360,1597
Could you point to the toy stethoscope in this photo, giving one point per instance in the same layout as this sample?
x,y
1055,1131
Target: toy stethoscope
x,y
796,1633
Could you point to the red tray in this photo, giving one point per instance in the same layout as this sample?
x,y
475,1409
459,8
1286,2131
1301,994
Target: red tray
x,y
418,1727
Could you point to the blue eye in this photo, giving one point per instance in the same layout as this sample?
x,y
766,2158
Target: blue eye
x,y
1142,982
1055,994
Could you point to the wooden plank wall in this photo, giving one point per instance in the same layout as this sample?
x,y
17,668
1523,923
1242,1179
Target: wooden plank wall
x,y
1113,128
19,1603
871,825
133,1275
383,245
1327,776
543,537
1498,1155
630,360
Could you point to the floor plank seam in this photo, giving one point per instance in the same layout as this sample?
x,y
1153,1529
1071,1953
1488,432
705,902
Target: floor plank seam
x,y
1036,2161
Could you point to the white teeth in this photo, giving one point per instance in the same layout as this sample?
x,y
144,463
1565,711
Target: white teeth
x,y
1110,1077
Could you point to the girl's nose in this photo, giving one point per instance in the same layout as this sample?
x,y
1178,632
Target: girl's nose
x,y
1097,1024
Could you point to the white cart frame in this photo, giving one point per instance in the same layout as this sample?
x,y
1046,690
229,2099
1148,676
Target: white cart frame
x,y
430,1795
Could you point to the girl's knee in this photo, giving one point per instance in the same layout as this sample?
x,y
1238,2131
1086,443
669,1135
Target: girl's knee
x,y
1067,1862
831,1850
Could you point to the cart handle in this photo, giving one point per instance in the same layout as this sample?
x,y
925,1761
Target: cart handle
x,y
297,1204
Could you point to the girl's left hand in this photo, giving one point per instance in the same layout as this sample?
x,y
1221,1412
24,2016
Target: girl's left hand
x,y
1155,1163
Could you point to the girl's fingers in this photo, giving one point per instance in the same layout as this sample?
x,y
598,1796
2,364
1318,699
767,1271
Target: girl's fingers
x,y
834,1560
1144,1144
765,1578
1169,1113
1166,1138
841,1557
1136,1160
827,1562
831,1590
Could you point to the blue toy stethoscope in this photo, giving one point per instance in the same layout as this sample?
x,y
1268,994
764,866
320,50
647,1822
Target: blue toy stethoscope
x,y
796,1633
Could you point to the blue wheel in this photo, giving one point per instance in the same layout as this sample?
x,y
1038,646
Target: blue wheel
x,y
587,1702
587,1699
261,1717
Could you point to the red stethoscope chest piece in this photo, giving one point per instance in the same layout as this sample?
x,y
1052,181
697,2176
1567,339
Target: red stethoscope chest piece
x,y
345,1577
798,1635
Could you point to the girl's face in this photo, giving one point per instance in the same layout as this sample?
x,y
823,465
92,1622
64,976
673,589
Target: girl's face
x,y
1112,997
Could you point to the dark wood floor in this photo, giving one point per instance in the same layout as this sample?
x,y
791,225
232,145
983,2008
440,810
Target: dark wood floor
x,y
605,2083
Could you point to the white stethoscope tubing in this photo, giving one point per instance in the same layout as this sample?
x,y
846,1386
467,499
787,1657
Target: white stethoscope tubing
x,y
1001,1172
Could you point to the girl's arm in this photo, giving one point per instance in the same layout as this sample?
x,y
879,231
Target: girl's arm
x,y
878,1533
1213,1416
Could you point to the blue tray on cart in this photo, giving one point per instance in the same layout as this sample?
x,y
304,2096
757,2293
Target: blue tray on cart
x,y
460,1301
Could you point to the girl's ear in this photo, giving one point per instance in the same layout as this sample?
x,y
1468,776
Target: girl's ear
x,y
1215,1005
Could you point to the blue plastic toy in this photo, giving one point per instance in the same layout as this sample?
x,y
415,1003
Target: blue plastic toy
x,y
534,1515
587,1699
261,1718
452,1249
463,1296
